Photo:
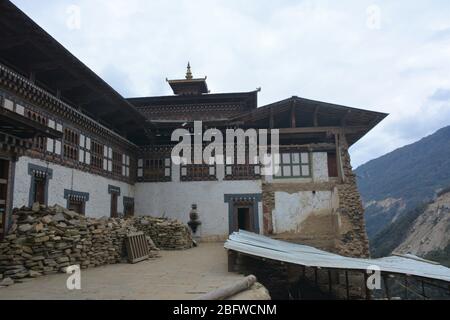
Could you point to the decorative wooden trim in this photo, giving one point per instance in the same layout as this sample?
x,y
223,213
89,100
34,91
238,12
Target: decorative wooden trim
x,y
113,189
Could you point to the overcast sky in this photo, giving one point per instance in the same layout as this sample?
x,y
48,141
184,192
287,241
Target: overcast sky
x,y
389,56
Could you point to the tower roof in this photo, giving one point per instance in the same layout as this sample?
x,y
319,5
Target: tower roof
x,y
189,85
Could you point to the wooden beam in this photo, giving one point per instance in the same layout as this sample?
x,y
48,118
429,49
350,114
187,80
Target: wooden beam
x,y
271,120
293,124
322,129
315,117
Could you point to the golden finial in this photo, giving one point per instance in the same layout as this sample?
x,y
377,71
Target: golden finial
x,y
188,72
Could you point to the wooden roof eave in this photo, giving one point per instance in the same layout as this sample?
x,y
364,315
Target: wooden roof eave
x,y
37,128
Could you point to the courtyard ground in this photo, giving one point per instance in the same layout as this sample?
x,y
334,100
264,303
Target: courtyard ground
x,y
175,275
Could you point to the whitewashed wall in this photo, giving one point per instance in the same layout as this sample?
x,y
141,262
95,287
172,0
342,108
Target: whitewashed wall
x,y
99,203
291,209
174,199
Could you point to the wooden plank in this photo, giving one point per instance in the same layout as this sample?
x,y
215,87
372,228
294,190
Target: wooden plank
x,y
353,129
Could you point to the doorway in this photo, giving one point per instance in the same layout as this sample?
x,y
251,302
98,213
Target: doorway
x,y
39,190
114,197
243,217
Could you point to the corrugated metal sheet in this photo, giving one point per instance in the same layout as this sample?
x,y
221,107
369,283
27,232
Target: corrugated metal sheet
x,y
265,247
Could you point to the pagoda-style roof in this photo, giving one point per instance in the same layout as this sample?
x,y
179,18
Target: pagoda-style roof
x,y
189,85
217,106
297,117
30,51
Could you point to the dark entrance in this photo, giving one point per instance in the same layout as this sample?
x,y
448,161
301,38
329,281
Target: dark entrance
x,y
39,190
76,205
243,217
114,197
4,174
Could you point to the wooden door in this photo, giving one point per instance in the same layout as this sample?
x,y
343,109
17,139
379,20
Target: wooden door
x,y
114,205
39,190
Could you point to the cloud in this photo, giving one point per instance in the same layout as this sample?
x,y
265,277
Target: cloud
x,y
324,50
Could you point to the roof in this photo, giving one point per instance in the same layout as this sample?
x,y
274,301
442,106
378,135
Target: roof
x,y
221,106
30,50
189,86
313,113
22,127
265,247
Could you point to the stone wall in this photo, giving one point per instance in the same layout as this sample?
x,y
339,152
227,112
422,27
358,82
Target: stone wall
x,y
352,237
45,240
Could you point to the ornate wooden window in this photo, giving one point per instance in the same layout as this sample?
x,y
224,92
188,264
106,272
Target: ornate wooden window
x,y
84,155
71,144
107,158
39,143
125,165
198,172
117,163
97,155
245,171
293,165
157,168
54,145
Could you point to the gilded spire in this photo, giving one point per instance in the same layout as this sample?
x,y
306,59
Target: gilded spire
x,y
188,72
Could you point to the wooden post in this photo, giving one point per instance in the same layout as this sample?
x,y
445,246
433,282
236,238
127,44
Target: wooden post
x,y
338,156
232,256
316,280
386,286
293,124
368,294
423,290
406,287
347,285
329,282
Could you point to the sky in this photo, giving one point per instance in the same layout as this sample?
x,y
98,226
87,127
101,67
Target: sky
x,y
387,56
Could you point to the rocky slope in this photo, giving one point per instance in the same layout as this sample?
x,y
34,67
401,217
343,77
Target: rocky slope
x,y
396,183
424,231
430,231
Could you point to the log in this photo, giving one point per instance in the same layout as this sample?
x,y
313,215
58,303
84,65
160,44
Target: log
x,y
230,290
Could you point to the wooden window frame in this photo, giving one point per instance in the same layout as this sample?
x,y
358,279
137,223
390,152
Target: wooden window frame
x,y
291,164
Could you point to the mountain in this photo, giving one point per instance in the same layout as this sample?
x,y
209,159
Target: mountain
x,y
423,231
395,185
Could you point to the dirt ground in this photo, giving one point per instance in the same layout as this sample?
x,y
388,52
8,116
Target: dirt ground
x,y
175,275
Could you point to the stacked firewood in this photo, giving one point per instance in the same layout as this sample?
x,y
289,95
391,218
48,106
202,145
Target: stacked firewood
x,y
167,234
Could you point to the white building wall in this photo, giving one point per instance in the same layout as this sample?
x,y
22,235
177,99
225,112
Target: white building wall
x,y
174,199
291,209
99,203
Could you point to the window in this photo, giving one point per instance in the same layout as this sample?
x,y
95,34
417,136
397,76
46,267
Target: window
x,y
84,155
155,169
39,143
198,172
107,158
125,165
71,144
76,205
97,155
76,200
293,165
117,163
332,164
235,171
54,145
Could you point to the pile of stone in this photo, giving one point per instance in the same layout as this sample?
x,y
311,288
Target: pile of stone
x,y
167,234
45,240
